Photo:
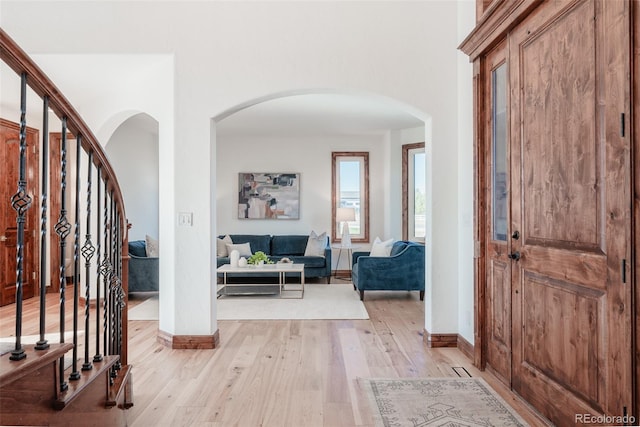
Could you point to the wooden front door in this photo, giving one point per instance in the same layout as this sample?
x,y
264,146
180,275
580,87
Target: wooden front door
x,y
9,156
498,289
570,207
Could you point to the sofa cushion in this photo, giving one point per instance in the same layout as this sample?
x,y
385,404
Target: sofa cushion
x,y
258,242
309,261
221,245
381,248
138,248
397,248
316,244
153,248
288,245
244,249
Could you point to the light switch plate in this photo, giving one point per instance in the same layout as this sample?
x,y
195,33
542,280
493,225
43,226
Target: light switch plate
x,y
185,219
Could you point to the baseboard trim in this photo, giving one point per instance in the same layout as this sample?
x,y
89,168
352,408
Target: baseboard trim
x,y
341,274
466,347
192,342
449,340
439,340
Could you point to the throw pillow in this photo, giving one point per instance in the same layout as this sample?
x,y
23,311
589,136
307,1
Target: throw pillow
x,y
316,244
381,248
221,247
137,248
244,249
153,249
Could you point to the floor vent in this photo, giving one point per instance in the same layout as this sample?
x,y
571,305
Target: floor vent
x,y
461,371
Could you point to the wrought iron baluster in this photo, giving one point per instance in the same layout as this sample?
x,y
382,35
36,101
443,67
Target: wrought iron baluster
x,y
120,301
21,201
98,357
75,374
112,280
42,344
88,250
105,269
62,229
113,284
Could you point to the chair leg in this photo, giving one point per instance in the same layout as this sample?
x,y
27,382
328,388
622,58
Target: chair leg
x,y
421,295
361,294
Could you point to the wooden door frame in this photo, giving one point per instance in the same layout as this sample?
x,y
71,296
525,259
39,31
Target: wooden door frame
x,y
635,192
480,217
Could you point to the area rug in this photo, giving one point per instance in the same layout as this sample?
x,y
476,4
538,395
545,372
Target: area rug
x,y
321,302
146,310
437,402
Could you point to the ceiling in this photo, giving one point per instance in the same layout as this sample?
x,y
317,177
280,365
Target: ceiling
x,y
318,114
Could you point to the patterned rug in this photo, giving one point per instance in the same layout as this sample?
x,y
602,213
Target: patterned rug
x,y
438,402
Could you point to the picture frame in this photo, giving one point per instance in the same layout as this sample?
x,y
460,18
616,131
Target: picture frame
x,y
269,195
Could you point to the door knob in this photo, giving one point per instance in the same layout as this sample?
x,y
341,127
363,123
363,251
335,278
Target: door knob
x,y
514,256
515,235
3,238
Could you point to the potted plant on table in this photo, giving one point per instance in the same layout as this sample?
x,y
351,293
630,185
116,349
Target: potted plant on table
x,y
259,259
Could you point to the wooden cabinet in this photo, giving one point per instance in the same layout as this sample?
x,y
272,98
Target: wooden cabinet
x,y
554,290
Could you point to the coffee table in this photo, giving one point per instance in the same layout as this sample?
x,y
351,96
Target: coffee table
x,y
281,269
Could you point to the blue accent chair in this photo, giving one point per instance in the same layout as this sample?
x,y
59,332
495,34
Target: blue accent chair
x,y
144,271
402,270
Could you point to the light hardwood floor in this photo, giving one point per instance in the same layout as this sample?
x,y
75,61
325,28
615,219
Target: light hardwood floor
x,y
284,373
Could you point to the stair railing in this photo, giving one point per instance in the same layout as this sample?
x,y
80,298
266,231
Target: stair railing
x,y
105,233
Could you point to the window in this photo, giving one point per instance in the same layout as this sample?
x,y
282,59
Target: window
x,y
350,189
499,153
414,206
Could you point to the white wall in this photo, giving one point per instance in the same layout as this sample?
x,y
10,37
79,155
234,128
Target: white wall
x,y
225,53
133,153
466,22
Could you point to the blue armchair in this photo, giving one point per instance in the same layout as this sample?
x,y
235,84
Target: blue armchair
x,y
403,270
144,271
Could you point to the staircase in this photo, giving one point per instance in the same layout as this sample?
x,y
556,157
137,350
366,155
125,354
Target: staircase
x,y
63,352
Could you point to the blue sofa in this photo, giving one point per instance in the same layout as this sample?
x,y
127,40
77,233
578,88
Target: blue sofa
x,y
144,271
283,246
403,270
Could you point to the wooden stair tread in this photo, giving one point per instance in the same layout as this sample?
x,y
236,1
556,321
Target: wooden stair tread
x,y
118,387
12,370
86,378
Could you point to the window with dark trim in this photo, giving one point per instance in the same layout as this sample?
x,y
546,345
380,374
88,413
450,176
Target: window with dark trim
x,y
413,192
350,189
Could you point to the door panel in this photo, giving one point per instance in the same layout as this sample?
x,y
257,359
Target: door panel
x,y
9,155
498,285
557,76
569,200
562,326
498,294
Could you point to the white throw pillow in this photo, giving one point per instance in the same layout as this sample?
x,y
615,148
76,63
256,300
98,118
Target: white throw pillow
x,y
152,247
244,249
316,244
381,248
221,246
